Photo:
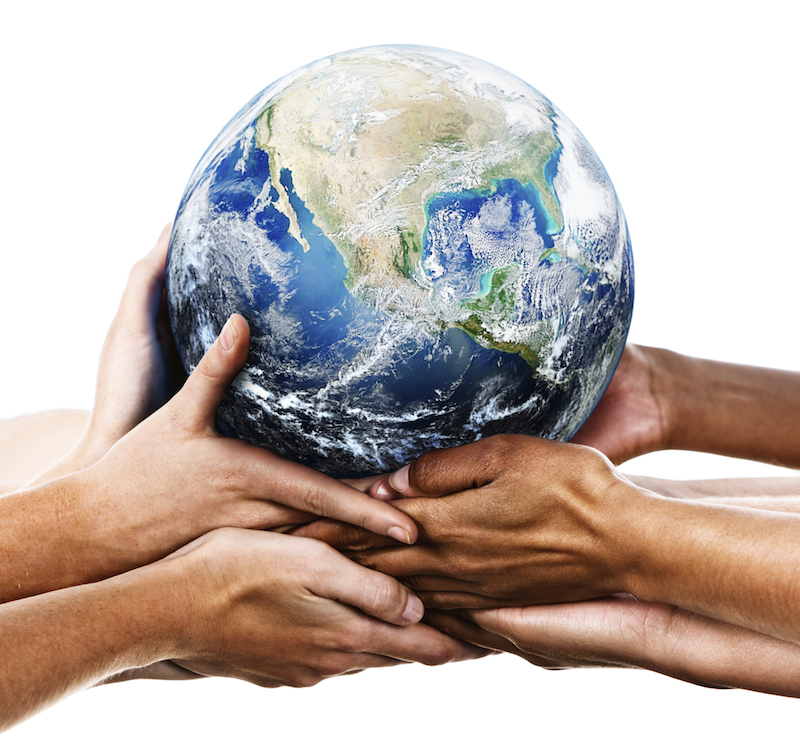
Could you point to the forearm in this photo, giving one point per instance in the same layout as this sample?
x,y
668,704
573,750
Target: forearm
x,y
40,447
788,486
779,494
707,652
71,531
734,410
61,642
737,564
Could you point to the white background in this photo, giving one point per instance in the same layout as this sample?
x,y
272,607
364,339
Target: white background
x,y
692,107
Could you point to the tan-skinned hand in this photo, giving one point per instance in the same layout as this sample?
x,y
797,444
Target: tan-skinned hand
x,y
506,520
174,477
620,631
276,610
259,606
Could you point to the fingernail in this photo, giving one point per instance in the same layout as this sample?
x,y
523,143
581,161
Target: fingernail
x,y
399,480
228,336
383,491
166,231
414,609
399,534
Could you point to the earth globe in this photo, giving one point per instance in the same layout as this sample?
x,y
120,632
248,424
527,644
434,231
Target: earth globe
x,y
426,249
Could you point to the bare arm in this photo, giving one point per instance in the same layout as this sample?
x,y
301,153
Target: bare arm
x,y
169,480
735,410
723,488
290,613
663,400
520,521
150,473
33,443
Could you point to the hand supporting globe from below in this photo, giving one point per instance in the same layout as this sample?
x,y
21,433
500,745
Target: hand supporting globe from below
x,y
427,251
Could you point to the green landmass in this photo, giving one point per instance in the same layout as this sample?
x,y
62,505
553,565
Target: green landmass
x,y
497,307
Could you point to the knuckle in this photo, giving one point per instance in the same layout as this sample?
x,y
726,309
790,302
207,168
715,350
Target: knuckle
x,y
365,559
438,652
329,666
139,270
353,538
306,679
350,643
311,498
429,467
316,556
384,595
209,366
498,451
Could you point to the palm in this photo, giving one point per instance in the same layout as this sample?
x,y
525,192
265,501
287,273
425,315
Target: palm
x,y
139,367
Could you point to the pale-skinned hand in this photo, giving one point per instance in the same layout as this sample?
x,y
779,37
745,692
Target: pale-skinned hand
x,y
139,368
258,606
166,482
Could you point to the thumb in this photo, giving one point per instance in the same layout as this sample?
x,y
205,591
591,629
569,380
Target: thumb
x,y
445,471
372,592
205,387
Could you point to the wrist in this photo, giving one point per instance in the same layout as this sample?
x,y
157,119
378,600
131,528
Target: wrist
x,y
153,611
625,535
66,640
609,506
667,378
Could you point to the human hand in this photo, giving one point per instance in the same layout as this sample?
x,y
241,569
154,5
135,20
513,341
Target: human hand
x,y
139,368
620,631
259,606
170,480
506,520
633,417
276,610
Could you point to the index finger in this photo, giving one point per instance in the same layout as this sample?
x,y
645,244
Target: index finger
x,y
306,489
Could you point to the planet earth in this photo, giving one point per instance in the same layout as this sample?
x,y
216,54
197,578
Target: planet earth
x,y
427,250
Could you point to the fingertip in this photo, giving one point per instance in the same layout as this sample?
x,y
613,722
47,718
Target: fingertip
x,y
165,233
217,369
235,329
241,324
382,490
229,335
405,530
399,534
160,248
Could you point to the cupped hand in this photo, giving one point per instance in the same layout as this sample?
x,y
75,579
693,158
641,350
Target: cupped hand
x,y
506,520
632,418
276,610
620,631
139,368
